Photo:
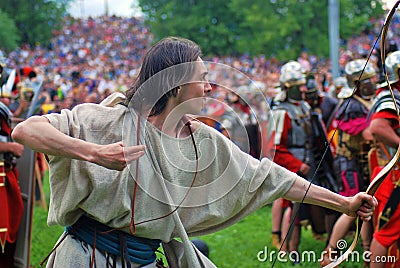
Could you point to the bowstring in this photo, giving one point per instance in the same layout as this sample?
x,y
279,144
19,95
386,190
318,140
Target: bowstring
x,y
327,147
383,55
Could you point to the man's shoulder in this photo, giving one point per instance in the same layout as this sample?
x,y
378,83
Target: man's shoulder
x,y
113,100
384,102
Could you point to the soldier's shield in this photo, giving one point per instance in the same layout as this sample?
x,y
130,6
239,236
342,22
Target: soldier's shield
x,y
26,180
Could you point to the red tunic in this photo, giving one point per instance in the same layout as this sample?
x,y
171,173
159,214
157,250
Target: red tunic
x,y
283,156
11,206
389,235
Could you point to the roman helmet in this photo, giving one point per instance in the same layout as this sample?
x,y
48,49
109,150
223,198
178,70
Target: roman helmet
x,y
359,73
339,83
392,64
25,89
291,79
313,95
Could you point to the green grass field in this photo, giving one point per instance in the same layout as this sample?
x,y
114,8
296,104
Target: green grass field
x,y
236,246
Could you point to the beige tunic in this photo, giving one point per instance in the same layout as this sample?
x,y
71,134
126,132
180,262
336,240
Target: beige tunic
x,y
229,184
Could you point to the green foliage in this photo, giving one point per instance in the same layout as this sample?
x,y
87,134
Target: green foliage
x,y
35,19
281,28
9,38
210,23
356,14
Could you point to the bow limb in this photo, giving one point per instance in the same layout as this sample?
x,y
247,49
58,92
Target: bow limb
x,y
380,177
384,172
351,248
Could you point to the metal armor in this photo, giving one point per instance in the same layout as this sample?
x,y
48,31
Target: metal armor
x,y
300,135
351,162
383,153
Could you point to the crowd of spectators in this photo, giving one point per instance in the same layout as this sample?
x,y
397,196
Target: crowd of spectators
x,y
88,59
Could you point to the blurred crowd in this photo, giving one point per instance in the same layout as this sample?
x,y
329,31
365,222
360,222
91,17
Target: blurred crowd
x,y
86,61
89,59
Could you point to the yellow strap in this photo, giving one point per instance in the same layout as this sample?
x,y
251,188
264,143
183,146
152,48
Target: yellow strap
x,y
367,104
384,218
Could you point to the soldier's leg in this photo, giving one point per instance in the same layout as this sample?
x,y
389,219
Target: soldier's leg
x,y
277,214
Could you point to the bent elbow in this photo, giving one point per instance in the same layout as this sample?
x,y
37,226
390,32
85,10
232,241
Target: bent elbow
x,y
18,133
24,130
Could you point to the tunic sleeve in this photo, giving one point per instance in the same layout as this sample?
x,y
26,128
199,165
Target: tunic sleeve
x,y
80,119
247,185
77,186
60,122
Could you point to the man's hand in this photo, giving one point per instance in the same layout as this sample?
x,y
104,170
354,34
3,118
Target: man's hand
x,y
304,169
16,149
117,156
12,147
363,205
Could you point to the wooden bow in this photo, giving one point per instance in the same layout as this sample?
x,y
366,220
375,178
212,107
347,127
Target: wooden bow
x,y
380,177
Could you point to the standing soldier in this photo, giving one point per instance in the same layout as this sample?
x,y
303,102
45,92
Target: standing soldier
x,y
323,156
11,206
385,129
354,140
293,140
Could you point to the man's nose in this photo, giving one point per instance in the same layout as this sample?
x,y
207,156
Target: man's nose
x,y
207,88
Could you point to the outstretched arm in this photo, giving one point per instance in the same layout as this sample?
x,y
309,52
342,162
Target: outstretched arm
x,y
38,134
361,204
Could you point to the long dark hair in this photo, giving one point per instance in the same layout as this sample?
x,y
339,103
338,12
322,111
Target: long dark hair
x,y
153,96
